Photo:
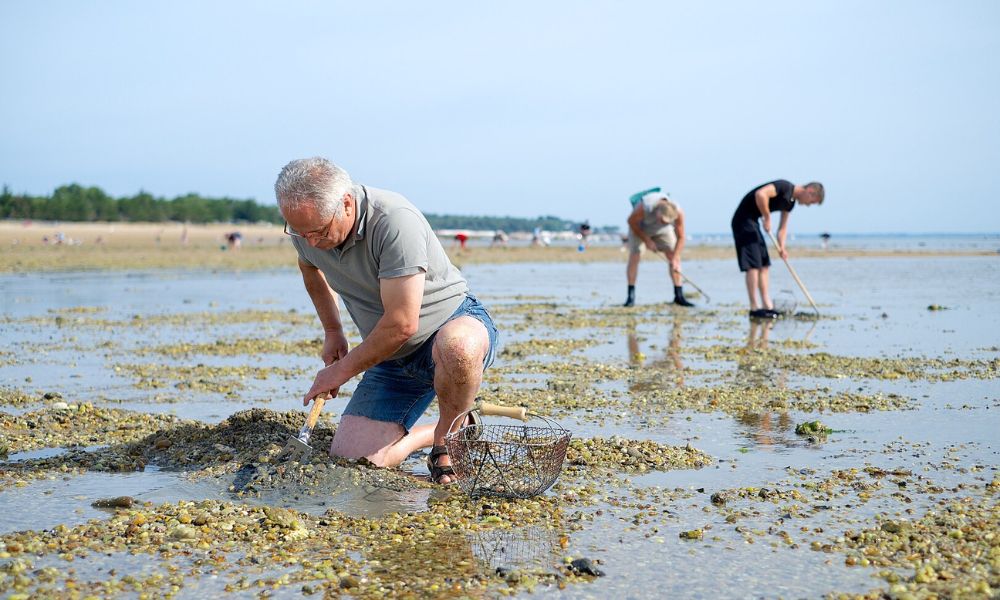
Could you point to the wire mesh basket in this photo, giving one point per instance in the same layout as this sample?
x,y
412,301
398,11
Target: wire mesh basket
x,y
509,461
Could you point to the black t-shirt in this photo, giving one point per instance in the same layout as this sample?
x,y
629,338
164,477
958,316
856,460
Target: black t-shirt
x,y
748,211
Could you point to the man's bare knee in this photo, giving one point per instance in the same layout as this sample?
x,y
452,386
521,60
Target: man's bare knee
x,y
460,348
461,358
361,437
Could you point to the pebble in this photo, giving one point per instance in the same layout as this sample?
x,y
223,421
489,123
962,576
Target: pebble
x,y
587,567
118,502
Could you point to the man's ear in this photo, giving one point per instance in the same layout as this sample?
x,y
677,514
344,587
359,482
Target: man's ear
x,y
349,205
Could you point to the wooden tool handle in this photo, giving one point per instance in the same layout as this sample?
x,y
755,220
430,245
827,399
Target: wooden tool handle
x,y
495,410
795,276
685,278
317,408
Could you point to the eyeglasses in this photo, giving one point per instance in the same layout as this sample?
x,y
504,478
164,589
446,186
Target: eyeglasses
x,y
321,233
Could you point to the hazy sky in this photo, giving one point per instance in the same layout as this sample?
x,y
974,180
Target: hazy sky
x,y
520,108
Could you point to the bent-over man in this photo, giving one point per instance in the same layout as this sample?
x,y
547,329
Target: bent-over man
x,y
423,333
657,223
751,248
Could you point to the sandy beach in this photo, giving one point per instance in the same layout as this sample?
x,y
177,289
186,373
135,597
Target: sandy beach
x,y
155,246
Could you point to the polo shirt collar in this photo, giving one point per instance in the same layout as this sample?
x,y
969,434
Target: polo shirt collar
x,y
360,218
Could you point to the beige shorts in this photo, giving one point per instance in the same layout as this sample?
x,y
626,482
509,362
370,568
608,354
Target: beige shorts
x,y
665,240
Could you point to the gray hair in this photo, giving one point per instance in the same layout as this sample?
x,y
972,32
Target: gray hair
x,y
314,182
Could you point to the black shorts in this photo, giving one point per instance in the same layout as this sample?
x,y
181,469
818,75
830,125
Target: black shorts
x,y
751,249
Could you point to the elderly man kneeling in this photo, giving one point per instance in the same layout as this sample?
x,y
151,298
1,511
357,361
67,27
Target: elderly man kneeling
x,y
423,333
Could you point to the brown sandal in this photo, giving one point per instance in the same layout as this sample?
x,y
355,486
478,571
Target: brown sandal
x,y
439,471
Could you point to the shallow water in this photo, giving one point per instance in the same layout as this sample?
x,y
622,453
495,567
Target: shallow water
x,y
870,307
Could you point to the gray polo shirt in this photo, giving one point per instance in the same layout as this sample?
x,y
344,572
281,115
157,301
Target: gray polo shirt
x,y
391,239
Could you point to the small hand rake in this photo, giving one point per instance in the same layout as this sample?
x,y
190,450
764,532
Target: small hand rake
x,y
509,461
297,448
685,278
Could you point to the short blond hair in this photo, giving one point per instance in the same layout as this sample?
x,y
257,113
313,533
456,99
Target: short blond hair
x,y
666,209
818,189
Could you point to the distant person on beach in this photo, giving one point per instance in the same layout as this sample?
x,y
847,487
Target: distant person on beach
x,y
462,239
423,333
656,223
234,239
539,237
584,235
500,238
751,247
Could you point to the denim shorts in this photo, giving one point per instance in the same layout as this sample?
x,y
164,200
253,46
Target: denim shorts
x,y
399,391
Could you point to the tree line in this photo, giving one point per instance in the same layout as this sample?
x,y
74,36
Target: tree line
x,y
78,203
509,224
75,202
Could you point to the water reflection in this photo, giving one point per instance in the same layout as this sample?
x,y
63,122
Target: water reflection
x,y
765,429
517,548
473,554
759,332
659,372
755,369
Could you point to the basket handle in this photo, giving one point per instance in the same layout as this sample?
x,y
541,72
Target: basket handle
x,y
495,410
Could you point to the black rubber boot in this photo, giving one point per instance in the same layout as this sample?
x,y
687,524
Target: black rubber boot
x,y
679,298
630,301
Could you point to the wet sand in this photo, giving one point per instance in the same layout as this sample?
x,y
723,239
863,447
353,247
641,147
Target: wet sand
x,y
692,474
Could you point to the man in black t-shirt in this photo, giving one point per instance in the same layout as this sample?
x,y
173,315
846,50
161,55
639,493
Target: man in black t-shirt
x,y
751,248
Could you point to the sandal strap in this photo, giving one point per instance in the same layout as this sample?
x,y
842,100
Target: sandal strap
x,y
437,451
438,471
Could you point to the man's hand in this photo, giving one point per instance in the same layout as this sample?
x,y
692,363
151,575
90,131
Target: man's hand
x,y
335,347
329,380
767,223
401,298
783,252
675,262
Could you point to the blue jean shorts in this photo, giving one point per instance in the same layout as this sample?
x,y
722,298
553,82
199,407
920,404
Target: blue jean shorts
x,y
399,391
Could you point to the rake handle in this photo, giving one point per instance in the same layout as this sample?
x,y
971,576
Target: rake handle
x,y
795,275
685,278
495,410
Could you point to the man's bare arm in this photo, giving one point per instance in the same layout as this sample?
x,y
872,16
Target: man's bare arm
x,y
323,298
783,233
335,343
635,224
763,198
401,299
679,231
